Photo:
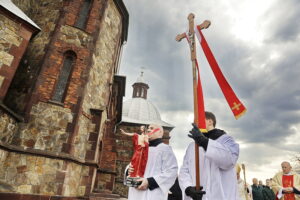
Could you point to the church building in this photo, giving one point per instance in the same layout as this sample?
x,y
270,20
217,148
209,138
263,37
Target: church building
x,y
60,96
61,100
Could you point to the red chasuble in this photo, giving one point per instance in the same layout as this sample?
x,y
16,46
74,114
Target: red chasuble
x,y
139,158
288,181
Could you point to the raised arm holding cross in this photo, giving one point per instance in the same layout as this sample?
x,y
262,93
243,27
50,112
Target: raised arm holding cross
x,y
217,151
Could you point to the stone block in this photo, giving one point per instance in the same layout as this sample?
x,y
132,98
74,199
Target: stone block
x,y
66,148
81,190
60,188
18,51
26,189
85,180
93,146
6,58
93,137
60,176
48,188
92,127
49,170
5,187
25,33
21,169
90,155
34,178
12,37
11,173
39,169
63,123
21,179
29,143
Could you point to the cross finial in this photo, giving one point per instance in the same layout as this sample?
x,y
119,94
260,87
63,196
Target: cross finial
x,y
142,71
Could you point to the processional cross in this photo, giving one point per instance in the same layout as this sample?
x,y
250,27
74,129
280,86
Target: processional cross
x,y
191,39
245,186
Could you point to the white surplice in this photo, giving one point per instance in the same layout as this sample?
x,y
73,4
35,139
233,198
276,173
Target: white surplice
x,y
217,169
162,166
242,193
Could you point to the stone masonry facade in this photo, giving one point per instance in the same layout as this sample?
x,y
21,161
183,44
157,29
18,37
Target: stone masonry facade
x,y
46,14
14,38
55,148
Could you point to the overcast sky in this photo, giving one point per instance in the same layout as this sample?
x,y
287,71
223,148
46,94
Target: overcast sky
x,y
256,44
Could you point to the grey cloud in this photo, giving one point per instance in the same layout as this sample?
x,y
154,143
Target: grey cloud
x,y
285,23
267,86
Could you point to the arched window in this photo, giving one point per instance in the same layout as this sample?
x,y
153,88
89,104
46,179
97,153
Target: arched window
x,y
83,14
64,75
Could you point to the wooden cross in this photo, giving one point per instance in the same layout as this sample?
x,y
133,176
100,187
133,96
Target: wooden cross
x,y
191,35
191,39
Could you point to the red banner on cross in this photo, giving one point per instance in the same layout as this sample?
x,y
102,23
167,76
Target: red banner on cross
x,y
236,106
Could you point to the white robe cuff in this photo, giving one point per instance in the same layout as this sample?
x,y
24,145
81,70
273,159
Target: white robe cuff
x,y
279,195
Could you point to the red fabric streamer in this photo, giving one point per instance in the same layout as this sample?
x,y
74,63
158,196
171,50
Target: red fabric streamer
x,y
200,99
234,103
200,102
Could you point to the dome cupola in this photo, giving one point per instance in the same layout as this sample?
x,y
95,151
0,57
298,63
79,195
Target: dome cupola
x,y
140,88
139,109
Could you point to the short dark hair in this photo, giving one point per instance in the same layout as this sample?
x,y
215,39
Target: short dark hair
x,y
210,115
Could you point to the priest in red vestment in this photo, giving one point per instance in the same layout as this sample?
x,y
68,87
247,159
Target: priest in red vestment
x,y
285,184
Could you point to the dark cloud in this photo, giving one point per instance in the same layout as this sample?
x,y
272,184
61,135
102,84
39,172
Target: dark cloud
x,y
263,73
286,27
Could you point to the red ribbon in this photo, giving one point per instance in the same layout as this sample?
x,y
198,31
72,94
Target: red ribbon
x,y
200,99
200,102
234,103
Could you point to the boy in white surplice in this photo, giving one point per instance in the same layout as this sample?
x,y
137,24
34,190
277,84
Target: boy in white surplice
x,y
218,154
161,169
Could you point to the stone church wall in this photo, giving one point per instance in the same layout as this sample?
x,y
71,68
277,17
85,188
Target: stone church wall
x,y
45,13
39,175
98,89
104,60
8,127
15,34
9,36
54,151
46,130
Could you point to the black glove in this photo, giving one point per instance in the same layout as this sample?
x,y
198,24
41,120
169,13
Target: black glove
x,y
198,136
295,191
195,194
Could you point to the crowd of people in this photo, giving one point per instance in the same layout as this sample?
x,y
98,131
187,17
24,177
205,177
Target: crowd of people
x,y
284,185
219,175
256,191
